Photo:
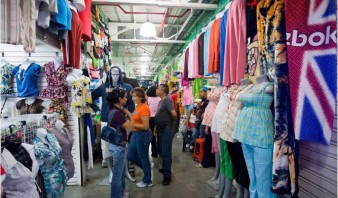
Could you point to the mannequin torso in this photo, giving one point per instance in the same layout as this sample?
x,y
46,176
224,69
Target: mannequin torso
x,y
41,133
260,83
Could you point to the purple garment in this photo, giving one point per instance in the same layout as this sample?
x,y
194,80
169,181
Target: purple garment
x,y
185,72
119,119
66,143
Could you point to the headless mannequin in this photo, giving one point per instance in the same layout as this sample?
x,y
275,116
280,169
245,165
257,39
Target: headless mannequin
x,y
241,191
74,75
59,125
260,82
30,100
13,145
57,62
226,184
41,133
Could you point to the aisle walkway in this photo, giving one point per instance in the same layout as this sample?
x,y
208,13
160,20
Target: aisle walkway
x,y
187,181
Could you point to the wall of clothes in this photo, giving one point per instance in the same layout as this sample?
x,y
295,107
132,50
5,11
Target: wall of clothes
x,y
254,38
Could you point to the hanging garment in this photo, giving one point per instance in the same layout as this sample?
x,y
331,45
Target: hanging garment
x,y
64,16
254,124
18,23
185,72
201,55
206,51
187,98
6,79
220,110
51,165
196,58
196,87
213,97
251,35
66,142
27,80
235,44
81,96
86,19
191,60
59,107
34,108
213,62
274,63
56,89
235,105
19,181
313,67
222,46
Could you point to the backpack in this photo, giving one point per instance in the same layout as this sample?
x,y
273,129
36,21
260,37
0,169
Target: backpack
x,y
110,134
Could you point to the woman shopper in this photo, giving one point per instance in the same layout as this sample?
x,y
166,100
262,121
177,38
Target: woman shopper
x,y
139,143
117,99
153,101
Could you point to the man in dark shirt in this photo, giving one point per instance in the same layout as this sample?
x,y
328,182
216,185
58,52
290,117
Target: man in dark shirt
x,y
164,119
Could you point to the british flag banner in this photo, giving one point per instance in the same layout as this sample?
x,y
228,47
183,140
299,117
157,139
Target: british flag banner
x,y
311,27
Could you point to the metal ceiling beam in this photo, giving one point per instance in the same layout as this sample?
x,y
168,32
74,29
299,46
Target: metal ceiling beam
x,y
140,24
148,41
166,4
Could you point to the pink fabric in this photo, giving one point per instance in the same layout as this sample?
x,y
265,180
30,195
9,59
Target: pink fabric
x,y
153,104
235,44
195,64
213,96
187,96
215,147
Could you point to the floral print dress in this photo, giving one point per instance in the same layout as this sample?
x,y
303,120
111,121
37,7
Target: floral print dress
x,y
81,96
6,79
48,154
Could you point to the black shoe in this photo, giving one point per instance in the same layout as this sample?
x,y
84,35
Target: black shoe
x,y
160,170
166,181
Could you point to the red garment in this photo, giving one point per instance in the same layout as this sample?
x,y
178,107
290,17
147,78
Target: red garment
x,y
174,98
86,19
214,47
74,43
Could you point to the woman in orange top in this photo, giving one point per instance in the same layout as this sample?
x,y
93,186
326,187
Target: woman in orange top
x,y
140,139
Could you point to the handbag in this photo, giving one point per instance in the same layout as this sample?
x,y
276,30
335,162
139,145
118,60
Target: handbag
x,y
110,134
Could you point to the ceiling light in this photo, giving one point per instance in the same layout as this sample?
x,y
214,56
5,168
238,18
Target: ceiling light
x,y
148,30
145,58
143,72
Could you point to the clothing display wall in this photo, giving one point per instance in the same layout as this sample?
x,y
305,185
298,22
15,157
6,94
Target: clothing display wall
x,y
15,55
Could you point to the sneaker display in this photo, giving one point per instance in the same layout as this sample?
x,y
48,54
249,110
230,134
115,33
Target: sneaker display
x,y
141,184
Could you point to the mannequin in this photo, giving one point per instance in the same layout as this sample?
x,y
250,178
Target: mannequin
x,y
57,62
13,145
59,125
114,79
41,133
75,74
260,80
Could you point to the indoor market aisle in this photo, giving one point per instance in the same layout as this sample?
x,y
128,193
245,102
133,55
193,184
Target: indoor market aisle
x,y
187,180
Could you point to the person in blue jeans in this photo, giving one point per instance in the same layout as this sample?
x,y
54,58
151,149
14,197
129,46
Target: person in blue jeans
x,y
164,119
138,146
117,119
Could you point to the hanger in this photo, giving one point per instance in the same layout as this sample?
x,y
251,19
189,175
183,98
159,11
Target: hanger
x,y
3,60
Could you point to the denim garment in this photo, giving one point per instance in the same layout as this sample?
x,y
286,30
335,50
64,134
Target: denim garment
x,y
165,139
259,163
194,136
138,149
119,168
202,131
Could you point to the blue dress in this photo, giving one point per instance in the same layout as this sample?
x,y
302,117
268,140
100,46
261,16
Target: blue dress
x,y
51,165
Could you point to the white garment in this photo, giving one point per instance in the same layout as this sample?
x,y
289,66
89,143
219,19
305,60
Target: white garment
x,y
90,162
19,181
220,112
105,145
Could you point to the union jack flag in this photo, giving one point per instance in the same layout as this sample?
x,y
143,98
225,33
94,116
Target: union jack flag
x,y
312,57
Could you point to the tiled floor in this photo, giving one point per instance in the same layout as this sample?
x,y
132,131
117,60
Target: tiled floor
x,y
188,181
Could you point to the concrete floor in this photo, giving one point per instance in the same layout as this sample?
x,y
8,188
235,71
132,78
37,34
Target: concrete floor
x,y
188,181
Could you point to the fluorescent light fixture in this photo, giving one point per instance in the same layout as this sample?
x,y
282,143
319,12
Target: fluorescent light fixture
x,y
143,72
148,30
144,66
145,58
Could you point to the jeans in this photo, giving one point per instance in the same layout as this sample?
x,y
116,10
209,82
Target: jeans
x,y
138,149
152,124
259,163
195,135
165,139
119,169
202,131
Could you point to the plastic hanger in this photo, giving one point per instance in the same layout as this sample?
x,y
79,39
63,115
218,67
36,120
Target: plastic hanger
x,y
3,60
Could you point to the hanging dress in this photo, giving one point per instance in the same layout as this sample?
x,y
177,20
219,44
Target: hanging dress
x,y
6,79
52,166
